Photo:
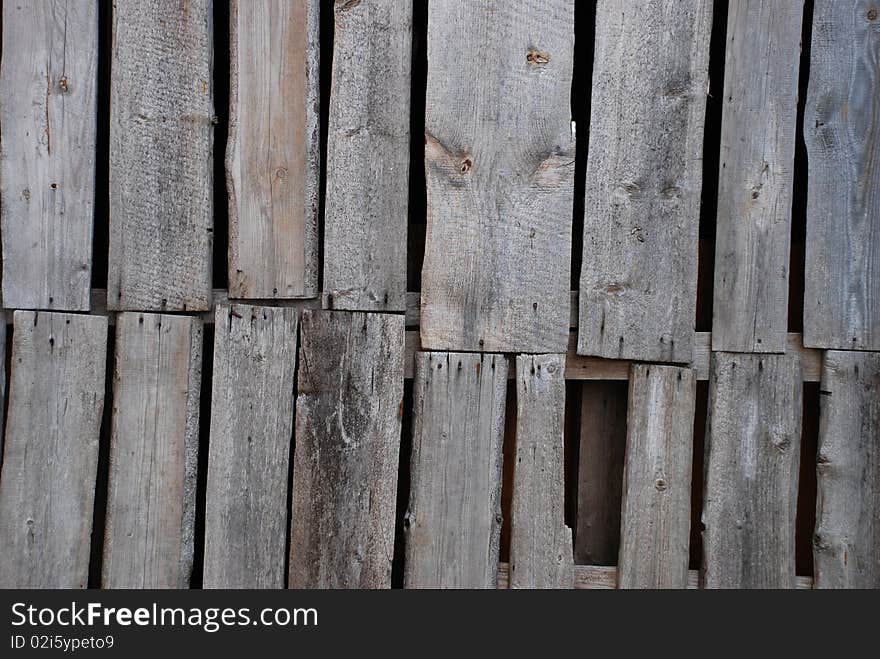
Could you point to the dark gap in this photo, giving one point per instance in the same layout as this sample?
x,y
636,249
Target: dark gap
x,y
403,472
509,457
697,475
292,447
101,224
417,213
326,31
571,443
204,445
221,133
6,349
806,500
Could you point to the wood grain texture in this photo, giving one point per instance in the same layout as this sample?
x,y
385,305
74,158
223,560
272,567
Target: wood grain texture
x,y
48,110
249,454
273,151
499,166
540,546
638,288
842,134
161,156
154,446
846,547
753,233
453,524
47,485
348,415
656,513
365,221
753,436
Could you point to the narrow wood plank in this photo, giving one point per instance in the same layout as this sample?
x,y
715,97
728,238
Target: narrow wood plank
x,y
453,524
753,437
249,453
161,156
48,109
753,234
368,157
348,414
273,152
497,266
656,511
638,290
154,446
47,486
541,545
842,131
846,548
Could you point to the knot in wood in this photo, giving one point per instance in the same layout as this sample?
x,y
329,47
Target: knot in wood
x,y
537,58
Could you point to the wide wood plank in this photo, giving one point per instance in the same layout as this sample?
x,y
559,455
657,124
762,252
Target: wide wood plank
x,y
154,446
753,233
753,438
249,453
50,461
846,547
453,524
638,290
499,166
161,155
273,152
365,222
842,134
48,110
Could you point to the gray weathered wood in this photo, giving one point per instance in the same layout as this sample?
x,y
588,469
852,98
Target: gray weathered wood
x,y
540,542
273,153
499,165
48,110
846,548
842,134
348,413
249,451
755,182
154,445
656,512
453,524
47,486
161,155
638,288
753,437
365,222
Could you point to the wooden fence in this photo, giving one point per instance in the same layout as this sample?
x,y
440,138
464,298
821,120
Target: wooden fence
x,y
336,358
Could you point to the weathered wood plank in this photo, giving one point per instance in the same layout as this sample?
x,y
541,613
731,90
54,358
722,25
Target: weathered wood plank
x,y
249,452
753,437
453,524
348,414
846,548
842,134
656,511
47,486
273,152
499,166
540,546
48,110
753,233
365,221
638,290
154,445
161,153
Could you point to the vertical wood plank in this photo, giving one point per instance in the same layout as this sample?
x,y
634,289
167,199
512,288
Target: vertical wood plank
x,y
273,152
846,548
453,524
499,165
638,288
753,234
48,110
656,514
842,131
348,414
752,454
540,547
161,144
154,444
368,157
251,430
47,486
